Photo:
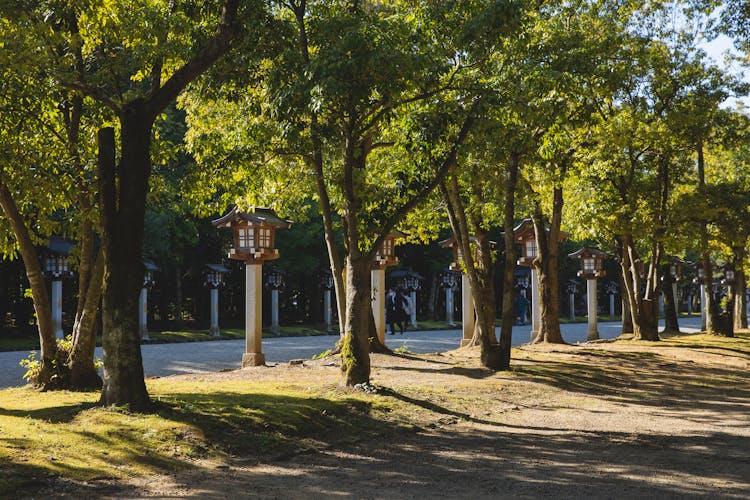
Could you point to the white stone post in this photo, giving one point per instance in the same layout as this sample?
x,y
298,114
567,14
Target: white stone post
x,y
253,355
57,308
449,307
703,307
675,298
327,316
572,301
467,311
413,314
377,277
611,305
143,314
592,332
690,304
535,313
214,328
661,304
275,310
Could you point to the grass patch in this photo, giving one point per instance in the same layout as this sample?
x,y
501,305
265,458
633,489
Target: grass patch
x,y
64,434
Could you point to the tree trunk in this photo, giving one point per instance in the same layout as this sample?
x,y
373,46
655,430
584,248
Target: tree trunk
x,y
740,284
478,267
123,201
671,323
83,373
42,305
355,344
509,267
546,264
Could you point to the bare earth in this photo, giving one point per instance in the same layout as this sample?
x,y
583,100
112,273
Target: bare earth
x,y
602,421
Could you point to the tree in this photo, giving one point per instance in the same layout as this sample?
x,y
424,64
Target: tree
x,y
347,105
138,60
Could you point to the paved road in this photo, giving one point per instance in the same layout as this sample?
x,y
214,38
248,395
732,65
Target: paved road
x,y
167,359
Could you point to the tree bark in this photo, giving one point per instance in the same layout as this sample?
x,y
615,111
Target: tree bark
x,y
355,344
123,209
509,268
546,263
83,373
740,284
671,323
479,270
42,305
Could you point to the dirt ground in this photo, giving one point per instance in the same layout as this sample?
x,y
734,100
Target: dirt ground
x,y
614,420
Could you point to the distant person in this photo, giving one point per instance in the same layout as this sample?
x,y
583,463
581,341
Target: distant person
x,y
390,310
401,309
522,303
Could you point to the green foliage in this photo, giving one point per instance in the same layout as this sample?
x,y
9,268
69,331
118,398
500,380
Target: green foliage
x,y
59,368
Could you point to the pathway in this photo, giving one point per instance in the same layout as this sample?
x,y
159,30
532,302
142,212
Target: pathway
x,y
191,357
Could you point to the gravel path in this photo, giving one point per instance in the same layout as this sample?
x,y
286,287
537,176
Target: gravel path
x,y
193,357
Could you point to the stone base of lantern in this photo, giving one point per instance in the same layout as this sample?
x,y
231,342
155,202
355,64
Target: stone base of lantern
x,y
465,342
253,359
214,332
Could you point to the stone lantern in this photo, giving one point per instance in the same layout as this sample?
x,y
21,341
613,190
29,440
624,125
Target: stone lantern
x,y
325,279
274,281
592,265
524,234
57,267
572,288
253,236
674,268
699,280
612,290
449,282
410,281
149,268
385,257
214,279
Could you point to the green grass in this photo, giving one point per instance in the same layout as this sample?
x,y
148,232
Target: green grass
x,y
65,434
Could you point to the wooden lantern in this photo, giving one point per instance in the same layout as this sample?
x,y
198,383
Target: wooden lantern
x,y
253,233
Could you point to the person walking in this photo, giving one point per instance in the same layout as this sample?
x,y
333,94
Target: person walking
x,y
402,311
390,310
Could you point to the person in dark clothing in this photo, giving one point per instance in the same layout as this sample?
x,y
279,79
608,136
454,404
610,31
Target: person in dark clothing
x,y
401,311
391,318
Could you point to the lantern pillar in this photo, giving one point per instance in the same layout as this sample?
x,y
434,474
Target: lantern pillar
x,y
327,315
703,306
143,314
275,310
611,305
572,301
413,314
213,329
253,355
467,311
449,306
592,332
57,307
690,302
377,277
535,313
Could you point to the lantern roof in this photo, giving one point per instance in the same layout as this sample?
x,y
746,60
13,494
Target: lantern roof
x,y
257,216
150,266
405,272
59,246
217,268
587,251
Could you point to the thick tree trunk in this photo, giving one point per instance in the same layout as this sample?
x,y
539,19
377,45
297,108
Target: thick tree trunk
x,y
42,305
546,264
355,344
83,373
123,201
